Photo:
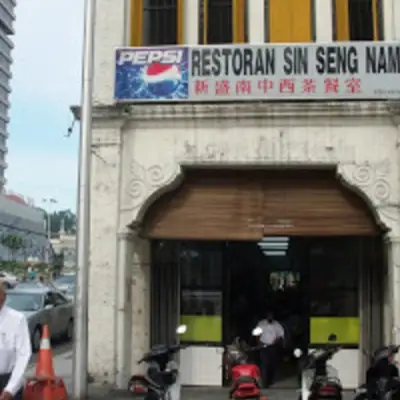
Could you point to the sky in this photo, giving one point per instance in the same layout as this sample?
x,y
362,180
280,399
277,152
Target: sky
x,y
42,162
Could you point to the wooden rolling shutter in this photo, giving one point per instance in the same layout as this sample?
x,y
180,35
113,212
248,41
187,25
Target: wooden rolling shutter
x,y
247,205
209,206
314,203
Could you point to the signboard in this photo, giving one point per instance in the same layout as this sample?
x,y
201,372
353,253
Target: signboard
x,y
353,70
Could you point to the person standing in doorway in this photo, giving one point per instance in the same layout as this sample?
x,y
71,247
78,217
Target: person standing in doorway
x,y
271,338
15,350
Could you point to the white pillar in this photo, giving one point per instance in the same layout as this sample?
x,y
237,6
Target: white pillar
x,y
323,21
123,308
191,21
256,21
388,19
393,308
141,290
391,20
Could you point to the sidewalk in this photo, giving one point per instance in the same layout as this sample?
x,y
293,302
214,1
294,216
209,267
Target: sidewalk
x,y
63,368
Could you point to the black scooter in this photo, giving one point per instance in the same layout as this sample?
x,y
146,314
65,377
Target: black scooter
x,y
382,378
161,381
318,379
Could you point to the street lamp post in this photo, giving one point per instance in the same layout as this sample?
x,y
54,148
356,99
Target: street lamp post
x,y
48,201
80,354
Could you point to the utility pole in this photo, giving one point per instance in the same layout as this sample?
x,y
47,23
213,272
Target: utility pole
x,y
80,354
50,201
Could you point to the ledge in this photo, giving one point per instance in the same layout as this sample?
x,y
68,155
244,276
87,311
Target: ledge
x,y
304,110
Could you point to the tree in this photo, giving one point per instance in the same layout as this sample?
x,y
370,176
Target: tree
x,y
57,217
14,243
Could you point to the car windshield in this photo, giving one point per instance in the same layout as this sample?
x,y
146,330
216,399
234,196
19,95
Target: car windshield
x,y
65,280
24,301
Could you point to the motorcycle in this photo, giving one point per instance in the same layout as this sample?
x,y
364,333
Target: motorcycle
x,y
246,376
382,377
319,380
161,381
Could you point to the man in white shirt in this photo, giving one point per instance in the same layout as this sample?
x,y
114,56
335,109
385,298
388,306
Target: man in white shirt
x,y
15,350
272,337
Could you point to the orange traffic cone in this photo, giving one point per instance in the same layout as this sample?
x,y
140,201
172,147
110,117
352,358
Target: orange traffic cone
x,y
45,385
44,367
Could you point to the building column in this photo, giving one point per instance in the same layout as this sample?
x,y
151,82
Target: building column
x,y
191,21
123,303
391,18
256,21
323,12
141,291
392,291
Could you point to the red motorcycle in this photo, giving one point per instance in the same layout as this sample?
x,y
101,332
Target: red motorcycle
x,y
245,376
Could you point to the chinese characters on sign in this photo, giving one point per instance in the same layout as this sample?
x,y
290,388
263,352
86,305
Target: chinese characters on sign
x,y
261,87
359,70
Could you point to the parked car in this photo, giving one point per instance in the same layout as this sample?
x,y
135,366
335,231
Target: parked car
x,y
66,283
8,280
41,306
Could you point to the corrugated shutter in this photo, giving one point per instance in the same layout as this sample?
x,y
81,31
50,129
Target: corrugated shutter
x,y
247,205
313,203
212,205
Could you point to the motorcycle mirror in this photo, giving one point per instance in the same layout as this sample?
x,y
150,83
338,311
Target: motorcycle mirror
x,y
256,331
297,353
181,329
332,337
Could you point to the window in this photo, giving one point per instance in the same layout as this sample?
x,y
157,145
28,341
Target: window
x,y
333,290
222,21
59,300
358,20
289,21
201,291
156,22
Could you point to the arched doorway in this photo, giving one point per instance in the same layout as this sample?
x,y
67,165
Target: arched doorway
x,y
249,204
274,232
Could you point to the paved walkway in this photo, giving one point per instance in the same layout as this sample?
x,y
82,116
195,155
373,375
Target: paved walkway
x,y
63,367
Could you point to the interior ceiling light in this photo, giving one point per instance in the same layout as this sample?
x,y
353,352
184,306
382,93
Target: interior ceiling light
x,y
265,245
278,253
275,239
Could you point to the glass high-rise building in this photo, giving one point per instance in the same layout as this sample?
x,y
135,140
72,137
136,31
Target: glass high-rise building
x,y
7,17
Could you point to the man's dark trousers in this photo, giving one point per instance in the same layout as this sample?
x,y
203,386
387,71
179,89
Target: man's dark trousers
x,y
4,378
269,357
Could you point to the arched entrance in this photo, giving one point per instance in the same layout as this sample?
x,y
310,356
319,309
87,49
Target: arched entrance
x,y
297,240
249,204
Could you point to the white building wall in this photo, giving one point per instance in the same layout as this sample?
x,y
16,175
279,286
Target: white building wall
x,y
140,151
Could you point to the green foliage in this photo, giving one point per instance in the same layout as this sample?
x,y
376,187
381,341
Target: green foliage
x,y
21,269
13,243
69,221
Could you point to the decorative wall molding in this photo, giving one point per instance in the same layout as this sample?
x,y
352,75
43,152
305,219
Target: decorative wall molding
x,y
203,111
373,180
144,181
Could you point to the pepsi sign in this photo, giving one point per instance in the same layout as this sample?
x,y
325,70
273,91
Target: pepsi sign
x,y
151,74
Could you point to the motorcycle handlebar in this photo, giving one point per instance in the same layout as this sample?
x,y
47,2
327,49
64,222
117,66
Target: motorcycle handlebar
x,y
171,349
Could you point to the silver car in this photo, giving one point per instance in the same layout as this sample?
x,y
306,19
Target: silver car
x,y
41,306
66,283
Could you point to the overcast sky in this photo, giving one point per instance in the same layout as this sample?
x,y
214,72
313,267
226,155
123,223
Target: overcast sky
x,y
46,81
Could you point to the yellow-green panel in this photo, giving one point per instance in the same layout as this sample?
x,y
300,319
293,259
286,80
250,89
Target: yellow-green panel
x,y
202,328
347,329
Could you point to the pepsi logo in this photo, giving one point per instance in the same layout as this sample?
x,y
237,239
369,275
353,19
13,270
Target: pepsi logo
x,y
162,80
